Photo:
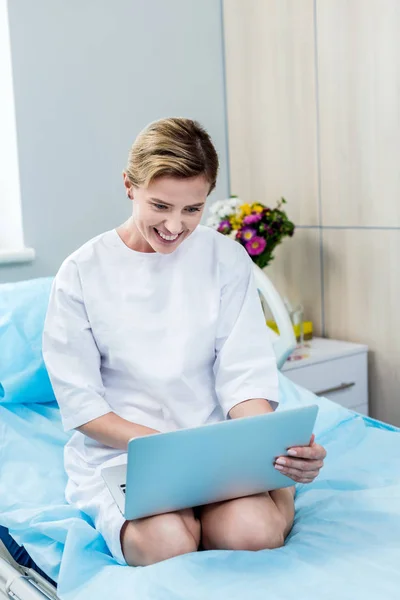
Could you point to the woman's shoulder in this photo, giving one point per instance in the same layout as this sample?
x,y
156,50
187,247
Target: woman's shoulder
x,y
218,242
89,252
224,249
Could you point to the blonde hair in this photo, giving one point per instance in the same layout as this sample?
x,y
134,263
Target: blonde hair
x,y
175,147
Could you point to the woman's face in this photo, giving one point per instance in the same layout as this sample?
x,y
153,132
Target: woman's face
x,y
166,212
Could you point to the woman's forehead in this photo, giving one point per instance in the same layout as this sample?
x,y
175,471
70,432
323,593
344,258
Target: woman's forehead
x,y
173,190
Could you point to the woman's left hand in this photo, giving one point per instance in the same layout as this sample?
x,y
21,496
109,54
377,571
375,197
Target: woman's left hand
x,y
303,463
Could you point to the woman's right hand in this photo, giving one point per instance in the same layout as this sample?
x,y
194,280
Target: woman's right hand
x,y
114,431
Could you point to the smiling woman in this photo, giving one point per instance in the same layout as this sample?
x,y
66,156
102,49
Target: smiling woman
x,y
164,213
157,326
172,168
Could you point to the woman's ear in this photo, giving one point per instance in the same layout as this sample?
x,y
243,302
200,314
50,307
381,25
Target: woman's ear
x,y
128,186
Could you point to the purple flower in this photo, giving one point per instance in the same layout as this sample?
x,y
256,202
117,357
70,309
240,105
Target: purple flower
x,y
224,227
247,234
253,218
256,246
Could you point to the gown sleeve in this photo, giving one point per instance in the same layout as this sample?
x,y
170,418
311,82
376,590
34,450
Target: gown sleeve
x,y
70,352
245,365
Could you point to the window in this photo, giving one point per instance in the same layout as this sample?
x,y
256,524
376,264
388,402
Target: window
x,y
12,248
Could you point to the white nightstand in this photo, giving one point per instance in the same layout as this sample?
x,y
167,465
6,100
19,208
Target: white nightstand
x,y
336,370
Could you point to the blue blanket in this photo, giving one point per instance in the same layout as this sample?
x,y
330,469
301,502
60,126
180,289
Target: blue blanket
x,y
345,542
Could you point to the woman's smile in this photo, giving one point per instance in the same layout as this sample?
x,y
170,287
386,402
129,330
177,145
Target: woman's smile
x,y
167,238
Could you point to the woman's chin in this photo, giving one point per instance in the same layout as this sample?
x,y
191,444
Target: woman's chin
x,y
161,249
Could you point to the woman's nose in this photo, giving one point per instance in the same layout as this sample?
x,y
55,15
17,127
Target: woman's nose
x,y
173,225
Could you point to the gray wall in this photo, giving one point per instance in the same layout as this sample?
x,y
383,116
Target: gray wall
x,y
88,76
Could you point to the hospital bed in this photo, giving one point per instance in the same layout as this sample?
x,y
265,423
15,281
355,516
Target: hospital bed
x,y
345,542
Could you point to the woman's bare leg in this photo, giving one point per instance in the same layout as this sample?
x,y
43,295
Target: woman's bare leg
x,y
284,501
153,539
252,523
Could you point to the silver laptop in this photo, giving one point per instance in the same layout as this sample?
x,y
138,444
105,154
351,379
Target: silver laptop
x,y
221,461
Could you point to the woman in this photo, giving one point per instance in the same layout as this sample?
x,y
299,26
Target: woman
x,y
156,326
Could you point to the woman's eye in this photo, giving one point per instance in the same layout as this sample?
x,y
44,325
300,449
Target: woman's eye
x,y
189,209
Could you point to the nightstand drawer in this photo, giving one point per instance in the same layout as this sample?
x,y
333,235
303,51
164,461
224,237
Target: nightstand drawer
x,y
343,380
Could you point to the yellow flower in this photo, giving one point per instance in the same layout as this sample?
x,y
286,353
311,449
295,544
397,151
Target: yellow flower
x,y
235,221
245,210
257,208
248,235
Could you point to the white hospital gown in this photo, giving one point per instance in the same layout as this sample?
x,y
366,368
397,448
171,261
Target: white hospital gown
x,y
164,340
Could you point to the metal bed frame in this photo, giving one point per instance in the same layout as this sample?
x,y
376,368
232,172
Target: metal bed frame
x,y
20,583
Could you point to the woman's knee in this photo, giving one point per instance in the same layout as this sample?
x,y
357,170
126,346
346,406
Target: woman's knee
x,y
158,538
247,534
238,529
253,535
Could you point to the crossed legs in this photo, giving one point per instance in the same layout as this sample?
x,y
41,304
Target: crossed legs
x,y
252,523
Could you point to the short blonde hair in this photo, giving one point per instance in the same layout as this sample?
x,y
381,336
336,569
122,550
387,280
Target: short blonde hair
x,y
174,147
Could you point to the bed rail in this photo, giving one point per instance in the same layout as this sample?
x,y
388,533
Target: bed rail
x,y
19,583
286,342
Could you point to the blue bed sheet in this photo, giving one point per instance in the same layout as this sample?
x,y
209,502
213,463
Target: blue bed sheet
x,y
345,542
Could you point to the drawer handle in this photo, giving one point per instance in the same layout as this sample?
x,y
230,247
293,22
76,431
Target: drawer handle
x,y
338,388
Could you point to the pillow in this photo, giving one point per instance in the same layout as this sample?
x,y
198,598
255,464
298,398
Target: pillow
x,y
23,375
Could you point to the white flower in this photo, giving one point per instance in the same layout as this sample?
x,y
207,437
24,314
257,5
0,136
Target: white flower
x,y
232,234
213,221
224,208
235,203
216,206
224,212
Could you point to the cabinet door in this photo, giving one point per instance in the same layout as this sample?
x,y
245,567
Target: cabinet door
x,y
343,380
271,105
270,79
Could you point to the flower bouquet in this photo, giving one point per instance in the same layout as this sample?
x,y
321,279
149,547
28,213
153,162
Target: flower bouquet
x,y
258,228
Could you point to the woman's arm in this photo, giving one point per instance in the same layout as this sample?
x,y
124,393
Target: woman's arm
x,y
303,463
250,408
245,366
73,362
114,431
